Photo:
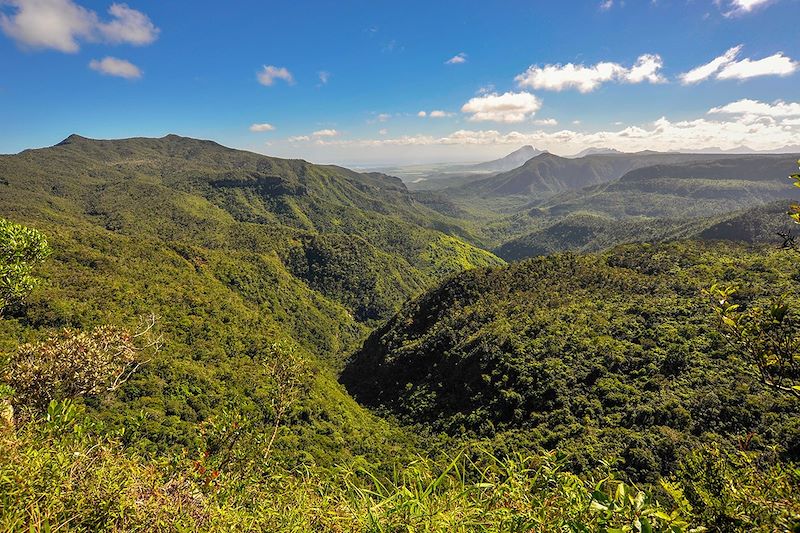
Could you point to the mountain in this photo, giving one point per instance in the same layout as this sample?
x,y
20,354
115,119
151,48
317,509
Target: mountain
x,y
592,354
683,189
280,287
513,160
584,232
234,252
453,175
595,151
547,174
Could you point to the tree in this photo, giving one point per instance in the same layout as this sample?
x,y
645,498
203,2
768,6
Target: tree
x,y
288,373
21,250
767,336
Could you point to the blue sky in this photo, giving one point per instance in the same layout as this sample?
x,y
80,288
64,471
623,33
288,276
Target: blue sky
x,y
346,81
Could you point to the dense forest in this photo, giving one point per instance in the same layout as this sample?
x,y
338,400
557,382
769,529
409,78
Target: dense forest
x,y
200,338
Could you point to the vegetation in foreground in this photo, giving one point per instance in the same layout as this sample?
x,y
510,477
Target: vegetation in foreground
x,y
63,469
225,413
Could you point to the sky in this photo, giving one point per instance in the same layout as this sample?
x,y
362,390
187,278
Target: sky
x,y
374,82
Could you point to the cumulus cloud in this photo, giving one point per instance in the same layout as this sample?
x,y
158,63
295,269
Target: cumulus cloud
x,y
739,127
546,122
778,108
270,73
457,59
422,114
112,66
383,131
605,5
726,67
63,24
588,78
325,133
324,76
299,138
507,107
262,127
128,26
383,117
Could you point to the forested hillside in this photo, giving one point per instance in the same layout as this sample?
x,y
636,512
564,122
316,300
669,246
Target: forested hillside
x,y
584,232
606,356
547,174
200,338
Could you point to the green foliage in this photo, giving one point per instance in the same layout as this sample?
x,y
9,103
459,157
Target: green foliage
x,y
267,273
738,491
21,250
767,337
794,209
65,471
59,472
612,356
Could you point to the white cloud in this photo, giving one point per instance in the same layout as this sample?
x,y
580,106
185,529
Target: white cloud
x,y
742,7
507,107
774,65
438,113
112,66
128,26
586,79
758,125
299,138
725,67
546,122
62,24
324,76
457,59
645,69
605,5
422,114
662,134
779,108
262,127
383,117
704,72
270,73
383,131
325,133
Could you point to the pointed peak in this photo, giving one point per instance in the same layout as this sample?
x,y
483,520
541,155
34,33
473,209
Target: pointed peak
x,y
72,139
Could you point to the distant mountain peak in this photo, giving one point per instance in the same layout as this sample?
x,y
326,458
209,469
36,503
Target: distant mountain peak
x,y
515,159
72,139
596,151
523,149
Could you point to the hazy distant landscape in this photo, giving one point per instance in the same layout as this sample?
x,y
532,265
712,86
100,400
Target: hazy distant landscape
x,y
569,303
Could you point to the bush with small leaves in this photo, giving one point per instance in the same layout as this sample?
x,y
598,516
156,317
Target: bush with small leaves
x,y
21,250
76,363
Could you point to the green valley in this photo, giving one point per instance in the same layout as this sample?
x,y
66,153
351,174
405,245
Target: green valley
x,y
212,339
